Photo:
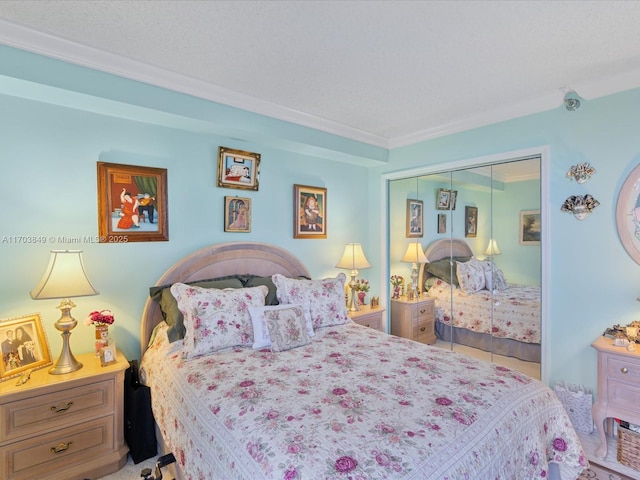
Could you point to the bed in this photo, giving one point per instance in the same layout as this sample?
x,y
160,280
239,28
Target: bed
x,y
348,403
503,320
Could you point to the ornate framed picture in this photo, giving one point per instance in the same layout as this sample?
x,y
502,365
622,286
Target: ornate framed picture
x,y
238,169
470,221
309,212
132,204
628,214
414,221
24,346
237,214
530,227
443,199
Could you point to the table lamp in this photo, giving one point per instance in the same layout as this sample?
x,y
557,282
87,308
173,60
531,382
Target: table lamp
x,y
492,248
414,255
352,259
65,277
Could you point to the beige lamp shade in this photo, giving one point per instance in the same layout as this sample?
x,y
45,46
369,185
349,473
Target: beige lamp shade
x,y
65,277
353,258
492,248
414,254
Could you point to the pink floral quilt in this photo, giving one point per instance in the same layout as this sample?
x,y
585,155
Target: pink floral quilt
x,y
516,310
356,403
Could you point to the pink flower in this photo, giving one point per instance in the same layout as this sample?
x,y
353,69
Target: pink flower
x,y
346,464
102,317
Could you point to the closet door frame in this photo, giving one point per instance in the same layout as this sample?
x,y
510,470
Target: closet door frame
x,y
540,151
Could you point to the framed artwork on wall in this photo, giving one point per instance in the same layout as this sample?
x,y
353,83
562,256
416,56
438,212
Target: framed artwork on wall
x,y
628,214
530,227
442,223
237,214
309,212
132,204
414,220
443,199
238,169
24,346
470,221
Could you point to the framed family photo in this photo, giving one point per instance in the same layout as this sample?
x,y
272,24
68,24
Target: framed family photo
x,y
470,221
309,212
24,346
237,214
414,221
238,169
530,227
132,204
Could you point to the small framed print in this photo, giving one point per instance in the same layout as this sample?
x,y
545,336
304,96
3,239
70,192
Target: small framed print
x,y
237,214
132,204
530,227
414,218
24,346
442,223
471,221
453,197
108,355
238,169
309,212
444,197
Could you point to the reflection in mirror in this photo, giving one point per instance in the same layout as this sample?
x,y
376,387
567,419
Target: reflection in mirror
x,y
482,278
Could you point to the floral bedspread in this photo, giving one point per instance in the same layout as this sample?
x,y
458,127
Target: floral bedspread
x,y
516,310
356,403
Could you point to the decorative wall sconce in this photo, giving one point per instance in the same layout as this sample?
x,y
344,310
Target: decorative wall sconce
x,y
581,172
580,205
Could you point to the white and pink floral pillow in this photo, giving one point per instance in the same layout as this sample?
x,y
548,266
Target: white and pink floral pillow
x,y
216,319
325,297
287,328
470,276
261,337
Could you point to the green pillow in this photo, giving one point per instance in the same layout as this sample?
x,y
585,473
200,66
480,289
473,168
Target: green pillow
x,y
444,270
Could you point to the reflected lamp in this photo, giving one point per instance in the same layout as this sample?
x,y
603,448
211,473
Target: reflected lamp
x,y
65,277
414,255
353,259
492,248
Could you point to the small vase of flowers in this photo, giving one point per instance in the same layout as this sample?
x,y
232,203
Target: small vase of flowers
x,y
362,287
397,281
101,320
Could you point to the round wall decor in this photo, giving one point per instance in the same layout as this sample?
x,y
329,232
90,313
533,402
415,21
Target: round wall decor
x,y
628,214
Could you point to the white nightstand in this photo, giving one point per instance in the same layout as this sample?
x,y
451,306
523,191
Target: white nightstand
x,y
413,319
368,317
64,427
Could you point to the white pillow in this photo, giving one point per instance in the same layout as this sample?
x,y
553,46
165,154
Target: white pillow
x,y
261,338
470,276
326,298
495,279
287,328
216,319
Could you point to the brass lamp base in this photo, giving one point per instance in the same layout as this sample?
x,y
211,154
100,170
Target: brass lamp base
x,y
66,362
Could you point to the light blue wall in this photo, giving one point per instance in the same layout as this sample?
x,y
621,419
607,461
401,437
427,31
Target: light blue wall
x,y
51,139
593,281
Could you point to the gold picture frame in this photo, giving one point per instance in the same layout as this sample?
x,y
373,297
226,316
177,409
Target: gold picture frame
x,y
132,204
24,346
108,355
309,212
238,169
530,227
237,214
470,222
415,218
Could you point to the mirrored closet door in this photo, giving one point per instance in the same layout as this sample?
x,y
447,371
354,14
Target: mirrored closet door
x,y
481,274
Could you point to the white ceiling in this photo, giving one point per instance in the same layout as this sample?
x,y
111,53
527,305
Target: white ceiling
x,y
388,73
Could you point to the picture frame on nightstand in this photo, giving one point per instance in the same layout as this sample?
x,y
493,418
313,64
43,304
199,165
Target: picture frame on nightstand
x,y
24,346
108,355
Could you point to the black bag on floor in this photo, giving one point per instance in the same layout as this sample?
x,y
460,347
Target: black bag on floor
x,y
139,426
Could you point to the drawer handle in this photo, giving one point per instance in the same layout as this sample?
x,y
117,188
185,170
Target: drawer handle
x,y
61,447
62,408
367,325
423,329
624,370
422,311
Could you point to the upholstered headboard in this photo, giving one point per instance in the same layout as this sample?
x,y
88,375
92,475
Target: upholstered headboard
x,y
444,248
217,261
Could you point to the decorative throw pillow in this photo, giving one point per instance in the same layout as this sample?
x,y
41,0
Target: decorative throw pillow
x,y
261,338
287,328
471,277
325,297
494,279
216,319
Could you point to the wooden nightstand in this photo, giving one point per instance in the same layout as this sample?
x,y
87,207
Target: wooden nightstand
x,y
64,427
413,319
618,387
368,317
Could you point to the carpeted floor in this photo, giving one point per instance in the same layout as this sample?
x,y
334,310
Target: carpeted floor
x,y
596,472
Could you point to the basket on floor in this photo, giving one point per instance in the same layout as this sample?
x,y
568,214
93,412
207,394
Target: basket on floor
x,y
629,448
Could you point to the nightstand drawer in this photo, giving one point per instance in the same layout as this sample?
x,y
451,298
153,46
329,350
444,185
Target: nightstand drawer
x,y
622,394
47,455
374,322
623,369
43,413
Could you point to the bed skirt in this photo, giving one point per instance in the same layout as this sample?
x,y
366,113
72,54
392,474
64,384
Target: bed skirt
x,y
529,352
